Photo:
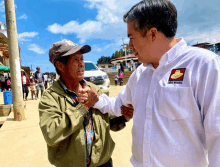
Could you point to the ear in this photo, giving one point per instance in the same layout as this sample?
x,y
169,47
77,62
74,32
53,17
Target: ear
x,y
60,66
153,32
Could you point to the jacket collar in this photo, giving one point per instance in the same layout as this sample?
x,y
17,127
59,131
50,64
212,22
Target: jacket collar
x,y
58,89
61,89
72,94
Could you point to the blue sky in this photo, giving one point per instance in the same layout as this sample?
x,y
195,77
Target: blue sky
x,y
98,23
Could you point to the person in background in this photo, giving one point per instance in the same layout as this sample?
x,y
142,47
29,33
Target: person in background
x,y
116,79
39,79
76,134
132,64
8,82
45,80
121,67
121,75
2,80
33,89
25,83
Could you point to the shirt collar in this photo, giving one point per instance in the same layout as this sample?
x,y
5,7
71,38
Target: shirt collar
x,y
170,55
174,52
66,90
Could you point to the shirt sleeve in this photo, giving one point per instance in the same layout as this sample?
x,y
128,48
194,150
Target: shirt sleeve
x,y
209,103
113,105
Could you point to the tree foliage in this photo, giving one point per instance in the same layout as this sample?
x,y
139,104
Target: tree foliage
x,y
107,60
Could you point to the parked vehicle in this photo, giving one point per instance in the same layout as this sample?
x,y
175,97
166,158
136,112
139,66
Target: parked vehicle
x,y
95,75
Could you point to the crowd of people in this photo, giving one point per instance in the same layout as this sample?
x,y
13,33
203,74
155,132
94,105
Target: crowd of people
x,y
38,82
5,82
35,84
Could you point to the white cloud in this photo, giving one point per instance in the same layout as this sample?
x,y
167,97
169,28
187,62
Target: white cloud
x,y
198,37
36,48
83,31
108,23
25,35
2,6
24,16
193,16
97,49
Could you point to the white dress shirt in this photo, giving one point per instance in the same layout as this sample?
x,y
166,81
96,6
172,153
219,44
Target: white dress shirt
x,y
176,120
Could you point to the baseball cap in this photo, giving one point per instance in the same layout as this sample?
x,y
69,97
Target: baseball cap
x,y
65,48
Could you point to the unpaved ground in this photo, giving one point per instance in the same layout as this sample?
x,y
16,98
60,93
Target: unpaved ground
x,y
22,143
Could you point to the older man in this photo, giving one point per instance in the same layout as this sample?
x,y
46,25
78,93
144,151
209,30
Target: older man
x,y
77,135
39,79
175,93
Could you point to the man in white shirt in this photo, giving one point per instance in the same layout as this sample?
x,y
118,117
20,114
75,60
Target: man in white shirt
x,y
175,93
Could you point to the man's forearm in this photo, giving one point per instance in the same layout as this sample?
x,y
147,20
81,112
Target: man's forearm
x,y
109,105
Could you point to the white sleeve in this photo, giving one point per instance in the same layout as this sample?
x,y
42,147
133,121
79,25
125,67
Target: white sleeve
x,y
209,100
113,105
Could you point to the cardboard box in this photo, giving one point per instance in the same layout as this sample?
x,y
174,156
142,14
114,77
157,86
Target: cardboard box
x,y
5,110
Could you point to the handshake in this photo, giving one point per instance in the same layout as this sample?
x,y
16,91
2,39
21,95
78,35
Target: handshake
x,y
88,97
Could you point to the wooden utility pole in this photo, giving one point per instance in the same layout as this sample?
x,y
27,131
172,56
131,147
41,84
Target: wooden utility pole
x,y
14,58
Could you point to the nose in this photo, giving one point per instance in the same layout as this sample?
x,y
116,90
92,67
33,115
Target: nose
x,y
81,63
130,45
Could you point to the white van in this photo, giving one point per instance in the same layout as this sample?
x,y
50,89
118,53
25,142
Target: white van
x,y
96,76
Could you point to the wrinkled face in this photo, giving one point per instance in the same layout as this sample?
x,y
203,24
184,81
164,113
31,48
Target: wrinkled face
x,y
140,45
75,67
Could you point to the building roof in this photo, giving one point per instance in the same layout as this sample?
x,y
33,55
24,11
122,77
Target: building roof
x,y
4,44
122,58
205,45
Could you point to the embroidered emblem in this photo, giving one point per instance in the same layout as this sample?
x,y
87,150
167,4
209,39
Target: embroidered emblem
x,y
56,53
176,76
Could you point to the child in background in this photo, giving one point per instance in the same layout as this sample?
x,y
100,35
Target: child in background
x,y
116,79
121,78
8,82
33,89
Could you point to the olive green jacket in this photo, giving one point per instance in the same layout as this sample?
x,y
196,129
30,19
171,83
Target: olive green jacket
x,y
62,126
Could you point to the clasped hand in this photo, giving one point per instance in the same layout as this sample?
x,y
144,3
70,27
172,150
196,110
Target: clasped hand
x,y
88,97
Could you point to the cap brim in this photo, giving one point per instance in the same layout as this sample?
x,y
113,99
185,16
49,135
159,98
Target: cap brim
x,y
83,49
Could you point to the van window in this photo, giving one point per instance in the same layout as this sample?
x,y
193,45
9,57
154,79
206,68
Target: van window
x,y
90,66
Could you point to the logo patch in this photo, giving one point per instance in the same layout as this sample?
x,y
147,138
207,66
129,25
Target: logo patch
x,y
177,75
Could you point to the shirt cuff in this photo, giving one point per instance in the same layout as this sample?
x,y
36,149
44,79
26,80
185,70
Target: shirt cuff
x,y
99,104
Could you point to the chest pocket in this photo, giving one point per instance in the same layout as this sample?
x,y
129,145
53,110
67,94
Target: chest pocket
x,y
174,102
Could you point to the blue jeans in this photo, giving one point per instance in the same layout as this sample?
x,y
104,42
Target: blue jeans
x,y
40,86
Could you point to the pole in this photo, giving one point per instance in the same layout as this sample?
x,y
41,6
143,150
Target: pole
x,y
124,47
14,59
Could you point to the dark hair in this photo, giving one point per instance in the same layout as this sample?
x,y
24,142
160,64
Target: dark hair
x,y
63,60
161,14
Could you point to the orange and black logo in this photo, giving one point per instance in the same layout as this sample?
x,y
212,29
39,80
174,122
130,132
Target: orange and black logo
x,y
177,74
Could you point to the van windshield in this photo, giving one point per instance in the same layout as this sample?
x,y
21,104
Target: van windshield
x,y
90,66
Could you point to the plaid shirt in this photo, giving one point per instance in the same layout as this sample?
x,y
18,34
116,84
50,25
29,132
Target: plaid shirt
x,y
87,123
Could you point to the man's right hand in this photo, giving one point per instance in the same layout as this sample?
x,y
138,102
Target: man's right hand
x,y
92,97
